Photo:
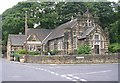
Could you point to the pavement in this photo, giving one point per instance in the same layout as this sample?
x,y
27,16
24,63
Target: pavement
x,y
15,71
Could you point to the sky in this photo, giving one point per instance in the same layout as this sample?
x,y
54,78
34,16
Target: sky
x,y
5,4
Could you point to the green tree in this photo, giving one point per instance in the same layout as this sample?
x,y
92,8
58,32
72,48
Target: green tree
x,y
114,48
51,14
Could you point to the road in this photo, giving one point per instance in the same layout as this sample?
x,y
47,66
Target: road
x,y
15,71
0,70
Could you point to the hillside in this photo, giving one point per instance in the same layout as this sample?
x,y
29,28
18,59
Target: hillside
x,y
49,15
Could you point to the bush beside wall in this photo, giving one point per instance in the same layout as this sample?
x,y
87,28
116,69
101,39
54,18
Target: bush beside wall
x,y
84,49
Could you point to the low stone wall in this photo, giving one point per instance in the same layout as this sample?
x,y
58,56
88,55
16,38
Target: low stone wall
x,y
73,59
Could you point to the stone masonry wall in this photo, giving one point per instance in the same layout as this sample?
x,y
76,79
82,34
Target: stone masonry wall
x,y
88,59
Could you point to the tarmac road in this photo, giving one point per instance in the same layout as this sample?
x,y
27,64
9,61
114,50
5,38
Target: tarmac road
x,y
15,71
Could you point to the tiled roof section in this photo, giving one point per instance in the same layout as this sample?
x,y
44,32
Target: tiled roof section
x,y
17,39
41,33
87,32
59,31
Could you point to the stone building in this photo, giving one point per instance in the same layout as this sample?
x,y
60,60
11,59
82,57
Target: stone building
x,y
65,38
85,29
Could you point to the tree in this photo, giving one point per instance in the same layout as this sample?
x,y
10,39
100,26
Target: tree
x,y
50,15
114,48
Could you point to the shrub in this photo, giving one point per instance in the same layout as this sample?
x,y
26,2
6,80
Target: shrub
x,y
17,56
33,53
45,52
54,52
114,48
84,49
21,51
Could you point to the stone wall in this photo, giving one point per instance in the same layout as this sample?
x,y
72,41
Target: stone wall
x,y
87,59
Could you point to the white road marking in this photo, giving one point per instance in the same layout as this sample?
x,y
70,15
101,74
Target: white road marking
x,y
52,72
83,80
70,75
15,76
63,75
89,72
72,78
56,74
99,72
68,78
76,77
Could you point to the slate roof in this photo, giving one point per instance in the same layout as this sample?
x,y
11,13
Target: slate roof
x,y
17,39
87,32
59,31
41,33
47,34
20,39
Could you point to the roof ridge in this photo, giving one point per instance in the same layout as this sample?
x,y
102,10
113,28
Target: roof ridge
x,y
38,29
16,35
68,22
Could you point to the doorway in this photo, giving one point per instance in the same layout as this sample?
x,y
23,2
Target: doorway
x,y
96,49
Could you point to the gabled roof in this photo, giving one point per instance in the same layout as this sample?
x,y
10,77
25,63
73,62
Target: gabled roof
x,y
17,39
20,39
40,33
86,32
59,31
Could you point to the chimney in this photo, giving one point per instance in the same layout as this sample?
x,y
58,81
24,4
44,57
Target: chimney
x,y
26,26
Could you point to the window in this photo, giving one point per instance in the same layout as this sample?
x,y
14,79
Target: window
x,y
86,24
89,24
96,37
75,42
92,44
74,33
51,45
60,44
29,47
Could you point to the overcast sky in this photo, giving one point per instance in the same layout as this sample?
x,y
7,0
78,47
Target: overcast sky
x,y
5,4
